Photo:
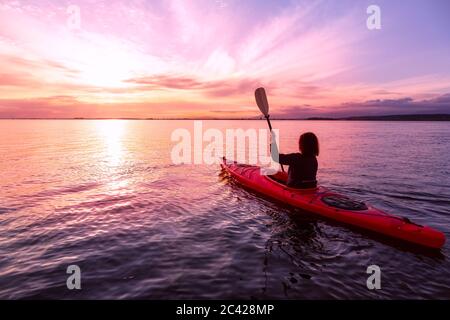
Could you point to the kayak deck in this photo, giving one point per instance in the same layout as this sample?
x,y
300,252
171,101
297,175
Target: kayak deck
x,y
334,206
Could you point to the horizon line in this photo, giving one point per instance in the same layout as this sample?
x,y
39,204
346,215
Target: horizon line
x,y
315,118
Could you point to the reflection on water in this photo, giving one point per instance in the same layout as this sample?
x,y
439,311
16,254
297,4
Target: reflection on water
x,y
106,196
111,133
112,154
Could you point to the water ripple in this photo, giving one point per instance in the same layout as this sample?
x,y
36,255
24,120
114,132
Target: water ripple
x,y
140,227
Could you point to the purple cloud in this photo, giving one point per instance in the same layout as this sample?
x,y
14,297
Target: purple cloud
x,y
407,105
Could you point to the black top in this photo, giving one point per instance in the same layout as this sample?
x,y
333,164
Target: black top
x,y
302,170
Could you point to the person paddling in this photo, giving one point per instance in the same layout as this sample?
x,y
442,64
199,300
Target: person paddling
x,y
302,165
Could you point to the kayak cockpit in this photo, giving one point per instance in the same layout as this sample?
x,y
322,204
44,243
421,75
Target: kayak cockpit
x,y
280,178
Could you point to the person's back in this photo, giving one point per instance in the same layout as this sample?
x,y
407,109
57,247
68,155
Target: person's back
x,y
302,166
302,170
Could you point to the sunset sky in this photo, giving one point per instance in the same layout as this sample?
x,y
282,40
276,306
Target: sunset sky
x,y
204,58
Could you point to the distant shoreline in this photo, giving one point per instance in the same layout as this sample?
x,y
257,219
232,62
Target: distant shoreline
x,y
405,117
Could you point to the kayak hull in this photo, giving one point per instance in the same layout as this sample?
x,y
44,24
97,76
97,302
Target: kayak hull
x,y
314,201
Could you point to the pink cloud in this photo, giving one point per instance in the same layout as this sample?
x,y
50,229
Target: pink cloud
x,y
215,88
71,107
17,79
141,53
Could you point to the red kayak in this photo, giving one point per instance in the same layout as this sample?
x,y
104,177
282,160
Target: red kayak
x,y
334,206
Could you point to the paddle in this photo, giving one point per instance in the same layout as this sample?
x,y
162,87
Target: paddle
x,y
263,105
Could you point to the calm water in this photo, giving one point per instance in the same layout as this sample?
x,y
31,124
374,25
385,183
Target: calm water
x,y
105,195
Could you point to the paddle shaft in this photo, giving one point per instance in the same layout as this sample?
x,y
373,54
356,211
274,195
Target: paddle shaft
x,y
268,122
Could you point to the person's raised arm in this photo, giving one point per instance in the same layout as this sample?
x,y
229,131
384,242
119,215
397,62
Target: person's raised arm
x,y
274,153
281,158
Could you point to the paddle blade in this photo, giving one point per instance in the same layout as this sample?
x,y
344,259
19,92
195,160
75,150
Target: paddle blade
x,y
261,101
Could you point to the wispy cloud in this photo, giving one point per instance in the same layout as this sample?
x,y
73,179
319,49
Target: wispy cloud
x,y
211,88
315,55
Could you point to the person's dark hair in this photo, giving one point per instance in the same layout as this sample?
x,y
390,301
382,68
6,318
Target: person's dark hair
x,y
309,144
